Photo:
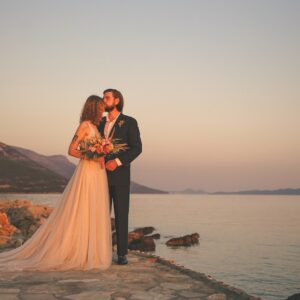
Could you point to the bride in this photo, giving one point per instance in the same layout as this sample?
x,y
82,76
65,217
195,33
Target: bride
x,y
77,234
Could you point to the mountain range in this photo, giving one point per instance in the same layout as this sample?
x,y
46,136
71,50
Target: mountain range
x,y
25,171
283,191
286,191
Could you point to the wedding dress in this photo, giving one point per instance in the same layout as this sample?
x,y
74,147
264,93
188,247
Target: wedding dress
x,y
77,234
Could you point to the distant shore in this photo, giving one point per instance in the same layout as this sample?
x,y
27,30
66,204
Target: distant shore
x,y
283,192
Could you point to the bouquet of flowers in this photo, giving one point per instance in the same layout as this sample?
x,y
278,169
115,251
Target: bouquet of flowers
x,y
100,147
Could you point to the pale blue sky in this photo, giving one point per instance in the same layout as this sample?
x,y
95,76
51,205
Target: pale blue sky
x,y
214,85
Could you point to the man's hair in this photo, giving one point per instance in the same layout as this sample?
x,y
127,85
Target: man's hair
x,y
117,94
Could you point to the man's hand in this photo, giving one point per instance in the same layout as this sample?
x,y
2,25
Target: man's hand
x,y
111,165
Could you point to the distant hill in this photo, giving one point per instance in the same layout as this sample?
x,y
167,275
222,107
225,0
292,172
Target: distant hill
x,y
136,188
286,191
56,163
190,192
25,171
18,173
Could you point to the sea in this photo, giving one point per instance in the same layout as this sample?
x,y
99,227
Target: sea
x,y
251,242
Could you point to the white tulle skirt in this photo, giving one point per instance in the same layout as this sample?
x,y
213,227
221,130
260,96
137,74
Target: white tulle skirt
x,y
76,235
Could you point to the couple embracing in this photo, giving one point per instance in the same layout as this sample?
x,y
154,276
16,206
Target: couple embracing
x,y
77,234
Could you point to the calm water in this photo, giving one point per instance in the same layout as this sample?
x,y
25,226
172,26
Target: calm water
x,y
251,242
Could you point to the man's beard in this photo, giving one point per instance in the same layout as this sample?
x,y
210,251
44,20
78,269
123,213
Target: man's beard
x,y
110,108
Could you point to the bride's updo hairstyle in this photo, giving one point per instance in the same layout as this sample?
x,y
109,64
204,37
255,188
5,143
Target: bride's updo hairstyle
x,y
93,109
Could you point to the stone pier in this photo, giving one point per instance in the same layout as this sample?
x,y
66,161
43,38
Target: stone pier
x,y
145,277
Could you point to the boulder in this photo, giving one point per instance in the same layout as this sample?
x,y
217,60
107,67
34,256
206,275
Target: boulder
x,y
138,239
155,236
132,235
6,230
143,244
144,230
40,211
5,204
23,220
186,240
19,219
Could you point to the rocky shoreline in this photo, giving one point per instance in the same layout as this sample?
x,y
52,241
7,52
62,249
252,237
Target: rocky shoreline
x,y
19,219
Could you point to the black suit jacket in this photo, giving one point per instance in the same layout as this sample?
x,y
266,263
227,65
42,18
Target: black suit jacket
x,y
126,130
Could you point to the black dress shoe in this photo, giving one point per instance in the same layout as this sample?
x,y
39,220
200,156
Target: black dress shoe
x,y
122,260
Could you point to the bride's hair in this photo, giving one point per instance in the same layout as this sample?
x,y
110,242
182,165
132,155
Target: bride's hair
x,y
91,111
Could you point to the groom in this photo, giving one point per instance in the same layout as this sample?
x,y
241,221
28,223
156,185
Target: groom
x,y
126,130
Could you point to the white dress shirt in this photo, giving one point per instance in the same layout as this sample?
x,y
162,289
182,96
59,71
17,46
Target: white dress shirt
x,y
107,129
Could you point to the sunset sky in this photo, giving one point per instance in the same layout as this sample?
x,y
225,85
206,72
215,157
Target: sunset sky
x,y
214,85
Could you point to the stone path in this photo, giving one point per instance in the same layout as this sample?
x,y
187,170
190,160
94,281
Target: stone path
x,y
145,277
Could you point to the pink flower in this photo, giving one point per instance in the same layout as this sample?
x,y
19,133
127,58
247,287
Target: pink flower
x,y
108,148
99,149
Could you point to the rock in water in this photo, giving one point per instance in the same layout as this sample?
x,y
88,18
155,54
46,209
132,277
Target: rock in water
x,y
19,219
195,237
143,244
138,239
5,204
22,219
186,240
6,229
155,236
144,230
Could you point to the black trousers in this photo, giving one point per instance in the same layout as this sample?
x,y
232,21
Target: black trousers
x,y
119,195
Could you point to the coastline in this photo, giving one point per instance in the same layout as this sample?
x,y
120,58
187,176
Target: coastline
x,y
266,286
